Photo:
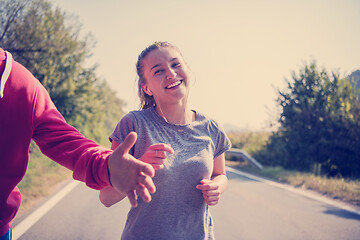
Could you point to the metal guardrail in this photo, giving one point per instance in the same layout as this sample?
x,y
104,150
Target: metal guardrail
x,y
244,155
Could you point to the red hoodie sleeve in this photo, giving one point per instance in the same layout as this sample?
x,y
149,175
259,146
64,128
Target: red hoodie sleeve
x,y
65,145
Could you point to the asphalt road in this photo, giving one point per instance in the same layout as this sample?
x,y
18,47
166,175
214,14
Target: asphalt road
x,y
250,209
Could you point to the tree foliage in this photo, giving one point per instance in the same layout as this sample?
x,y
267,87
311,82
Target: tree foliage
x,y
355,79
319,125
49,43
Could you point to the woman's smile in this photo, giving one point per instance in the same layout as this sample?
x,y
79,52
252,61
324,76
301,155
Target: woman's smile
x,y
174,84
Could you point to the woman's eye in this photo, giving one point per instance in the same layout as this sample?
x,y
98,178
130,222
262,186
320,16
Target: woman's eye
x,y
176,65
158,72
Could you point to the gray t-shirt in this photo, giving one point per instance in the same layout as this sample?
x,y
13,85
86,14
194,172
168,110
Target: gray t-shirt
x,y
177,209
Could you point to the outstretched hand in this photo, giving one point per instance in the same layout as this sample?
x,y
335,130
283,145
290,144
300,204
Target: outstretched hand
x,y
156,155
129,175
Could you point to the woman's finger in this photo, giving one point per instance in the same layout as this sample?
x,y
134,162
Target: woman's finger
x,y
212,203
158,154
162,147
211,198
157,166
212,193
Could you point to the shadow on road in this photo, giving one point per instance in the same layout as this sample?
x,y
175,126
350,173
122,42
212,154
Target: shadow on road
x,y
342,213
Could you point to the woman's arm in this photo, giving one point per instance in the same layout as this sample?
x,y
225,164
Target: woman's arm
x,y
108,195
213,188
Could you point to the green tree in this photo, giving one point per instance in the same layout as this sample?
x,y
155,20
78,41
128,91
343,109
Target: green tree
x,y
355,79
319,124
49,43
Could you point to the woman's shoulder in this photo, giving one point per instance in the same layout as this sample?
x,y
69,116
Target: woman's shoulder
x,y
137,114
208,120
215,130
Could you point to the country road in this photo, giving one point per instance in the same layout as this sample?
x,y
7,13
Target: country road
x,y
250,209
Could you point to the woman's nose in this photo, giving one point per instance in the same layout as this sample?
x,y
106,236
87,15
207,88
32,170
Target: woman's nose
x,y
170,74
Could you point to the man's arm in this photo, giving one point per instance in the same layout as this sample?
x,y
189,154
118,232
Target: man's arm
x,y
90,163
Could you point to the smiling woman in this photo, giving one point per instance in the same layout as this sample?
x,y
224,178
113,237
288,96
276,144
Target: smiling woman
x,y
185,147
167,82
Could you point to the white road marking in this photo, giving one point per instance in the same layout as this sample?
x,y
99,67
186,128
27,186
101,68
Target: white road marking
x,y
29,221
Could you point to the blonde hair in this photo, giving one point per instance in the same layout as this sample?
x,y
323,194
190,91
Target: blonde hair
x,y
146,100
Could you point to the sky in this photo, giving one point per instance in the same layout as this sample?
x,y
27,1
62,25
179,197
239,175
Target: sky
x,y
240,52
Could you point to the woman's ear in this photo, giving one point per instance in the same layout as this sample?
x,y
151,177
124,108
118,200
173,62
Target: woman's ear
x,y
147,90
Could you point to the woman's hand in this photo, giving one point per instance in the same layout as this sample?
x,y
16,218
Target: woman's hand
x,y
156,155
210,190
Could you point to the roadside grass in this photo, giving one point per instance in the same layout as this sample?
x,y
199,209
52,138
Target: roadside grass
x,y
42,178
250,142
337,188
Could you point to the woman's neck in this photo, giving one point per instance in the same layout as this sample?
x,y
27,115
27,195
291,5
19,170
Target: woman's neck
x,y
175,114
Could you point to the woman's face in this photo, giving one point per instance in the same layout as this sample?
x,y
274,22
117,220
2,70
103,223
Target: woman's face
x,y
166,76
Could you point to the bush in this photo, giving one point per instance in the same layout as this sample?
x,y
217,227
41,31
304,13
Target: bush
x,y
319,125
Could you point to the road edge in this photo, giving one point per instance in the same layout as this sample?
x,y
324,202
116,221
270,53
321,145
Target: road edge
x,y
303,192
